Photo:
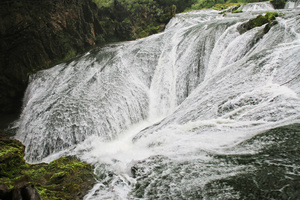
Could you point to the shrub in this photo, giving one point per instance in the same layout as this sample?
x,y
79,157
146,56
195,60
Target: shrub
x,y
278,4
71,53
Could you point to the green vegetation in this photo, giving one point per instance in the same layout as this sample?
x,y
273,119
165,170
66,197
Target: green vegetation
x,y
202,4
64,178
135,4
268,18
133,19
263,19
225,6
103,3
278,4
70,54
11,161
237,11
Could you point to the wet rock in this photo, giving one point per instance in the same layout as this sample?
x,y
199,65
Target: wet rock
x,y
25,191
275,173
5,192
268,18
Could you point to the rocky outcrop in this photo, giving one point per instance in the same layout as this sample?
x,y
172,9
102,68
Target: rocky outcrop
x,y
35,34
269,18
65,178
23,191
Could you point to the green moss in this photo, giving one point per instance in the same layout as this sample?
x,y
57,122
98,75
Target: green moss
x,y
57,177
272,15
259,21
237,11
268,18
263,19
64,178
6,181
36,175
11,158
70,54
67,177
7,152
225,6
103,3
71,187
47,194
278,4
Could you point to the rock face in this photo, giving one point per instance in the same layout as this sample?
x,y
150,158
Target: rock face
x,y
65,178
24,191
269,18
36,34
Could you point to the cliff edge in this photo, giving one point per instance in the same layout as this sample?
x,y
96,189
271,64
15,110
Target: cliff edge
x,y
36,34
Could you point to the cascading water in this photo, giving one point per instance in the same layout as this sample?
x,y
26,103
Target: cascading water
x,y
195,112
260,6
292,4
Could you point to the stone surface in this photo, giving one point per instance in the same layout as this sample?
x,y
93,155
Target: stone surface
x,y
34,35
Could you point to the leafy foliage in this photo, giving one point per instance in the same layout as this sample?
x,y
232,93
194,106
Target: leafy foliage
x,y
103,3
132,19
218,4
225,6
278,4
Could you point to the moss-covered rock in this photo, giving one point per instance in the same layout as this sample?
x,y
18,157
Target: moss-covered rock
x,y
269,18
11,160
65,178
278,4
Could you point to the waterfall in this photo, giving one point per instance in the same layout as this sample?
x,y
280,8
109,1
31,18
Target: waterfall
x,y
182,114
292,4
260,6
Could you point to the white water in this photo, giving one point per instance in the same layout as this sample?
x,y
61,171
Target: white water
x,y
294,4
260,6
196,90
